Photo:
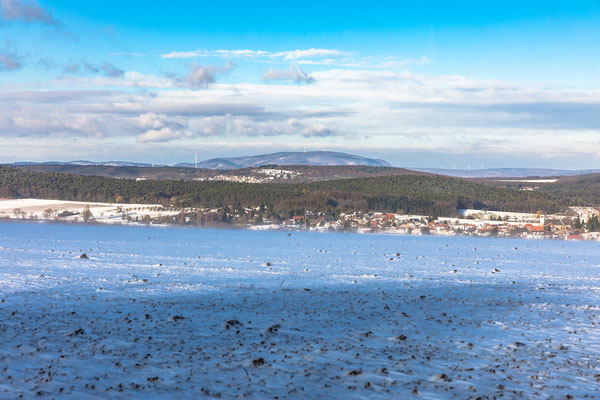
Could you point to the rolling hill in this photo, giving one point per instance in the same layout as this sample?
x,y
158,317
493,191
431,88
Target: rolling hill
x,y
289,158
414,194
506,172
305,173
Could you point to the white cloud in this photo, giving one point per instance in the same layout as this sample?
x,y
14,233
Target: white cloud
x,y
312,56
240,126
134,78
284,55
216,53
318,130
389,63
352,108
183,54
151,121
307,53
33,122
159,128
294,73
201,76
159,135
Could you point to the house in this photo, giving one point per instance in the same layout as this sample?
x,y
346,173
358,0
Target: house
x,y
574,237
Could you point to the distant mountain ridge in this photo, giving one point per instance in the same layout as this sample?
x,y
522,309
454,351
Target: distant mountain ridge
x,y
505,172
316,158
322,158
289,158
85,162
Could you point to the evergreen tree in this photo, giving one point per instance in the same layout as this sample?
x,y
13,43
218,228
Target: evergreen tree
x,y
593,225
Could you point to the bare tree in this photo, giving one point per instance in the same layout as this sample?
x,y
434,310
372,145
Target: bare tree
x,y
48,213
19,213
86,214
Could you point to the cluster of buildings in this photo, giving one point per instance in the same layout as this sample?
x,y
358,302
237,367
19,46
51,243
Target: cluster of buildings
x,y
471,223
263,175
580,223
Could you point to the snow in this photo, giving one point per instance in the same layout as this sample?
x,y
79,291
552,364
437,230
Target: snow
x,y
527,180
184,313
111,213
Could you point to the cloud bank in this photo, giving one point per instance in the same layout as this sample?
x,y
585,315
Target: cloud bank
x,y
329,105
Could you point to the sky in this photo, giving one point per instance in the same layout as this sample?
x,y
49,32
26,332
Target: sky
x,y
465,84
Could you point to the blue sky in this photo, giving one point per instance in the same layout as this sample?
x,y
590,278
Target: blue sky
x,y
424,84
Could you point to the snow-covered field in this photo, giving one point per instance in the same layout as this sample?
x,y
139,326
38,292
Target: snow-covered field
x,y
110,213
184,313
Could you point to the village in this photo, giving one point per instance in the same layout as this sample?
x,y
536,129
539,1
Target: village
x,y
482,223
582,225
579,223
263,175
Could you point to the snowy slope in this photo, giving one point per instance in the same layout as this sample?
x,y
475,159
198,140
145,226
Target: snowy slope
x,y
289,158
506,172
182,313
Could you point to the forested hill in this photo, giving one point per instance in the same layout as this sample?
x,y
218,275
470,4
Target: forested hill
x,y
304,173
418,194
578,189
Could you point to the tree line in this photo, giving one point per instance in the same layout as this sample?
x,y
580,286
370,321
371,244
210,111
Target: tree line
x,y
411,194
